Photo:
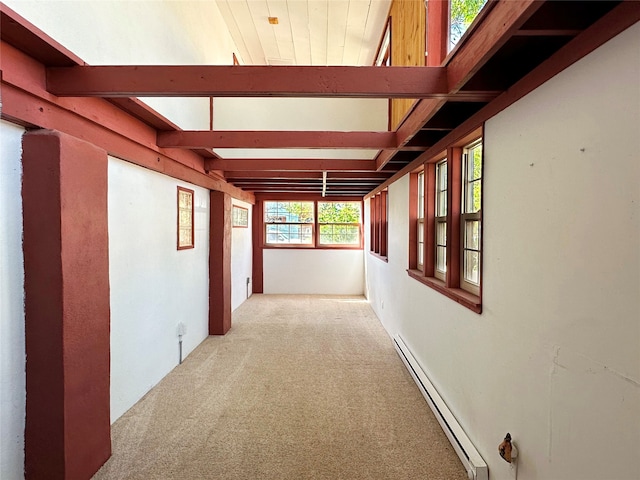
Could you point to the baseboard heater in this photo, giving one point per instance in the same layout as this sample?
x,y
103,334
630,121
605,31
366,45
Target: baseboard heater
x,y
471,459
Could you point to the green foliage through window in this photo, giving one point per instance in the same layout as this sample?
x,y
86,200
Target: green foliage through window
x,y
339,223
462,14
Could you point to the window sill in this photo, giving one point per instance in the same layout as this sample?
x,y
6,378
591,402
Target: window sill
x,y
464,298
379,257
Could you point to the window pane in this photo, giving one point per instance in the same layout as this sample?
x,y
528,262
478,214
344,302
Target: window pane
x,y
338,212
472,267
473,197
441,189
420,245
288,212
441,246
441,259
421,195
441,233
472,235
340,234
462,14
473,179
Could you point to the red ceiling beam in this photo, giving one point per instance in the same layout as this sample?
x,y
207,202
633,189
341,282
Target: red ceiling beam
x,y
284,175
291,164
275,139
247,81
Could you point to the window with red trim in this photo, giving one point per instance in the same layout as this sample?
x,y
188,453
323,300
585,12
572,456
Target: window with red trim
x,y
313,224
378,209
446,223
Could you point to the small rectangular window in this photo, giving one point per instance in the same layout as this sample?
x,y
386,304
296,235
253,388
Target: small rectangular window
x,y
289,223
185,219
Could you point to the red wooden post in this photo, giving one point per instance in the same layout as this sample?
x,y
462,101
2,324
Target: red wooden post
x,y
67,313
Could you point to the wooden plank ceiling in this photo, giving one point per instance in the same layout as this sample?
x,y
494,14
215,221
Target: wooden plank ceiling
x,y
507,42
307,32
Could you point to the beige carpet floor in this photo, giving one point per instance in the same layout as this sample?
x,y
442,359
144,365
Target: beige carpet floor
x,y
302,387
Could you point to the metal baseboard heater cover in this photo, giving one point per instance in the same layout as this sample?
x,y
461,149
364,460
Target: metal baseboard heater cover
x,y
476,467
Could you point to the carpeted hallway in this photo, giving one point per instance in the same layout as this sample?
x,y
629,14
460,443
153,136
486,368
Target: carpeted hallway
x,y
302,387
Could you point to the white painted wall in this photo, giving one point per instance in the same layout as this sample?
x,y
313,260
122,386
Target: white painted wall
x,y
140,32
309,271
154,286
12,349
330,114
554,359
241,260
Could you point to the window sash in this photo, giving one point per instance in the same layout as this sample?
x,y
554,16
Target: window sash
x,y
281,227
471,219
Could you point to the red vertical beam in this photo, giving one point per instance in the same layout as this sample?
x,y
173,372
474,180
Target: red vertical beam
x,y
66,258
437,31
454,200
413,221
373,210
219,263
384,234
429,219
258,246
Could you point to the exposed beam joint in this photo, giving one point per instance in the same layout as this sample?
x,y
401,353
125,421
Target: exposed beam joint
x,y
275,139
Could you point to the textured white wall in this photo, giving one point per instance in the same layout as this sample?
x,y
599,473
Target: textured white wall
x,y
12,351
154,286
140,32
307,271
331,114
554,359
241,260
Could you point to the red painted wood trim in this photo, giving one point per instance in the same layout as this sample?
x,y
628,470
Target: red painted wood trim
x,y
454,194
463,297
258,246
373,213
67,312
241,175
275,139
26,102
144,112
25,36
220,263
247,81
291,164
610,25
307,197
437,31
504,19
413,220
429,219
384,237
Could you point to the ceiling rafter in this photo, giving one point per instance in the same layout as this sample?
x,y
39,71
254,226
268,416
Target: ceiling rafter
x,y
275,139
290,164
248,81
